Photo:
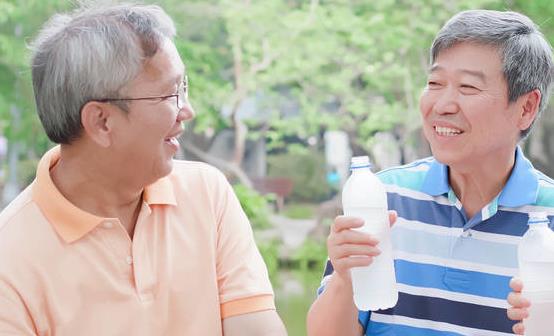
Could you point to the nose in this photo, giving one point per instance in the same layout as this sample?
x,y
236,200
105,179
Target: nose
x,y
186,112
447,102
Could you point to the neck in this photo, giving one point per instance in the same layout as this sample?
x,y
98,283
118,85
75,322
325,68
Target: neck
x,y
477,184
92,184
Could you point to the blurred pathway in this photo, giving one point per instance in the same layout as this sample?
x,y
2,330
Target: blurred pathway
x,y
293,232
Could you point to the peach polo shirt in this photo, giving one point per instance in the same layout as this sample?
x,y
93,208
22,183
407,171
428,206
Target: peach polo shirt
x,y
192,262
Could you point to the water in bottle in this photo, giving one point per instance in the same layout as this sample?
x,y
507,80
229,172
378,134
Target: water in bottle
x,y
364,196
536,267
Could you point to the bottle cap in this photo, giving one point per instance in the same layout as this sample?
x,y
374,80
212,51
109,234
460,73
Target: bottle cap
x,y
360,162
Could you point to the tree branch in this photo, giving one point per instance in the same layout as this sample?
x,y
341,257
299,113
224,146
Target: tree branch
x,y
228,168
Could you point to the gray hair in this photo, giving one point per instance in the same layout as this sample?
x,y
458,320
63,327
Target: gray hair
x,y
526,55
90,54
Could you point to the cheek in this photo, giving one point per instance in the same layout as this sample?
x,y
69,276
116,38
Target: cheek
x,y
425,103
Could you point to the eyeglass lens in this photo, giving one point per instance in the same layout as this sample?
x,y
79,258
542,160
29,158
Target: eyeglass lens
x,y
182,93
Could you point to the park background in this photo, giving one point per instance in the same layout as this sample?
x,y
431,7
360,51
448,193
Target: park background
x,y
285,92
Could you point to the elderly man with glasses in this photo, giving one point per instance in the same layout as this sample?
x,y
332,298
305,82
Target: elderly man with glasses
x,y
115,237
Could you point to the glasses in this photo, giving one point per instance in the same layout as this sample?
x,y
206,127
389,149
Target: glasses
x,y
181,96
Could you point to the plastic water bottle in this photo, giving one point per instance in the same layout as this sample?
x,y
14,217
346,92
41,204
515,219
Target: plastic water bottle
x,y
364,196
536,267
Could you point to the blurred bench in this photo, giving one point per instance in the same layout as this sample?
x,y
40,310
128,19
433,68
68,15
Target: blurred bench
x,y
281,187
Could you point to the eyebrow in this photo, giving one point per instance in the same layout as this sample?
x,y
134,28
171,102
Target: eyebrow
x,y
474,73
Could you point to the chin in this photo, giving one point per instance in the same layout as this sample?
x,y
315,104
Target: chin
x,y
162,170
448,158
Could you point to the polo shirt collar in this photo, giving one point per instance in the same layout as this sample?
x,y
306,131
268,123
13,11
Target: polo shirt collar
x,y
71,222
435,182
521,188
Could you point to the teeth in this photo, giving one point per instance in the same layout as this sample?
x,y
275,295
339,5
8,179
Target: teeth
x,y
172,140
447,131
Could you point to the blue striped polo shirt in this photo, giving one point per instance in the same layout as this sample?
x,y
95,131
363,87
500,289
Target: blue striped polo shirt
x,y
453,272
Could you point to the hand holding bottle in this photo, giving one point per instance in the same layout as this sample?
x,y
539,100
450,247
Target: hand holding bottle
x,y
348,248
518,306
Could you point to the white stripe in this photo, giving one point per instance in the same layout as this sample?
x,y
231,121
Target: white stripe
x,y
485,213
455,232
434,325
458,204
417,168
452,296
417,194
463,265
545,183
429,228
529,208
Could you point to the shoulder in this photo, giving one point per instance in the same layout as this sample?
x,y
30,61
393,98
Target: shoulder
x,y
196,173
16,214
409,176
198,182
195,168
26,237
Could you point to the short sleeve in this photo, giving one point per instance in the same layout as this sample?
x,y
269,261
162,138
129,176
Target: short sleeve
x,y
14,317
242,276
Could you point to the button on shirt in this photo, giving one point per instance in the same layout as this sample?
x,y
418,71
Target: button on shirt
x,y
192,261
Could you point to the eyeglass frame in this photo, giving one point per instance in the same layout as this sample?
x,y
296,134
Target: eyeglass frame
x,y
181,89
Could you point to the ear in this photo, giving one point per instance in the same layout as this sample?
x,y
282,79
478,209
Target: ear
x,y
95,118
529,107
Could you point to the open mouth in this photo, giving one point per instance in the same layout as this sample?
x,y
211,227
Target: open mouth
x,y
447,131
172,141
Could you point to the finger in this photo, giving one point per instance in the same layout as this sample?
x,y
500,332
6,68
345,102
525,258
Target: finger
x,y
516,284
350,250
346,222
516,300
518,329
393,216
343,264
517,314
353,237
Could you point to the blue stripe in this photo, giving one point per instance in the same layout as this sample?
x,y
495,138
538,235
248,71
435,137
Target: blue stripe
x,y
453,312
454,247
385,329
404,177
451,279
432,213
328,268
505,222
424,211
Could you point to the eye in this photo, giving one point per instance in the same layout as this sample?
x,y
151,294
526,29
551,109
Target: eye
x,y
468,89
432,84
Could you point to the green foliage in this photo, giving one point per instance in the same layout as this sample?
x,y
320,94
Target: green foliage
x,y
306,168
270,253
357,66
311,255
293,307
26,171
299,211
255,206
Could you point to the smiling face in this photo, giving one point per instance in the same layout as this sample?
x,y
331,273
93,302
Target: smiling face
x,y
467,118
146,136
